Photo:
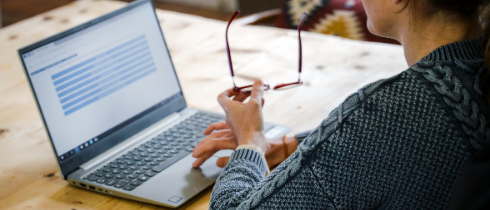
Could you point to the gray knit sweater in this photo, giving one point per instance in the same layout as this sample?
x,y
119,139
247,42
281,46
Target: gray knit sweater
x,y
398,143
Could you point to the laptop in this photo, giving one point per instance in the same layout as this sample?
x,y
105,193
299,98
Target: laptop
x,y
115,113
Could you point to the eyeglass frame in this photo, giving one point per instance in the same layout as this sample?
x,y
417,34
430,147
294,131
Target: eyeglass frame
x,y
266,86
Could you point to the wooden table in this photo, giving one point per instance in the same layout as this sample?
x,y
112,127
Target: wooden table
x,y
333,68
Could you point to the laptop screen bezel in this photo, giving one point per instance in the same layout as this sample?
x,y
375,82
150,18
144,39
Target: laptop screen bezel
x,y
123,130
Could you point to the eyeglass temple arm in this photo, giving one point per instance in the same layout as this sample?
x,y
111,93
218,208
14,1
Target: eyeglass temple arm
x,y
300,24
228,48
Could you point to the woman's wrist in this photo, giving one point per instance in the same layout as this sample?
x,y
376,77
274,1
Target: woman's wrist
x,y
256,138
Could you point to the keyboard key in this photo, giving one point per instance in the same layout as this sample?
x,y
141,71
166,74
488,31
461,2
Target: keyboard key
x,y
144,154
178,148
106,169
116,171
139,172
134,168
133,176
154,163
120,184
120,176
167,155
108,176
150,151
99,174
136,183
162,166
174,151
148,159
126,180
126,172
101,180
137,158
141,164
160,159
155,155
111,182
122,167
146,168
129,187
143,178
150,173
129,162
93,178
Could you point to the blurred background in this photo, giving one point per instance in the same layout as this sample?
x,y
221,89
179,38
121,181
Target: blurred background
x,y
344,18
12,11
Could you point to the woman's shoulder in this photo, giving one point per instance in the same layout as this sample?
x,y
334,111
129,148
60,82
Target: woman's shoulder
x,y
457,86
443,96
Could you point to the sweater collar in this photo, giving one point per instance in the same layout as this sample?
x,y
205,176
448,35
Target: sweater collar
x,y
465,50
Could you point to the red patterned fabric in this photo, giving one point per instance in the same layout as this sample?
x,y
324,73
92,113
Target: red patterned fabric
x,y
345,18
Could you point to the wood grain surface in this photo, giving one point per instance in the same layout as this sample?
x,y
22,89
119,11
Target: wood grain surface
x,y
333,68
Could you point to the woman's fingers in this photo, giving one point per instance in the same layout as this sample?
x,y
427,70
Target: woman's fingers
x,y
200,160
222,161
213,146
224,97
206,150
215,126
257,91
240,97
215,135
209,149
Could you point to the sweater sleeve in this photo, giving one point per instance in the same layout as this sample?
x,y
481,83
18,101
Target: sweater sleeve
x,y
244,176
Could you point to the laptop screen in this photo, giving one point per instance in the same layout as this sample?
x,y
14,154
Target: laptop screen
x,y
99,78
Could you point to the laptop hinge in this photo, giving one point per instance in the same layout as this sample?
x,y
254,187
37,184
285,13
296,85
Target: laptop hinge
x,y
145,134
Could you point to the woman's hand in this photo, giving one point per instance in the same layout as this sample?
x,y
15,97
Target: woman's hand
x,y
245,119
244,125
221,137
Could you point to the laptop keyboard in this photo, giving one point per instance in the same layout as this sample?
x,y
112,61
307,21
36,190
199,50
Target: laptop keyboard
x,y
148,159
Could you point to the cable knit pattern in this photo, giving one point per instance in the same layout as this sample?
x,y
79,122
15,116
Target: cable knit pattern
x,y
397,143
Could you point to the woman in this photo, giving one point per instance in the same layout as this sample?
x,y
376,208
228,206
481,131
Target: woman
x,y
398,143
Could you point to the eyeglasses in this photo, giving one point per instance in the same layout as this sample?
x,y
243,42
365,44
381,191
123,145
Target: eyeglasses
x,y
284,86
